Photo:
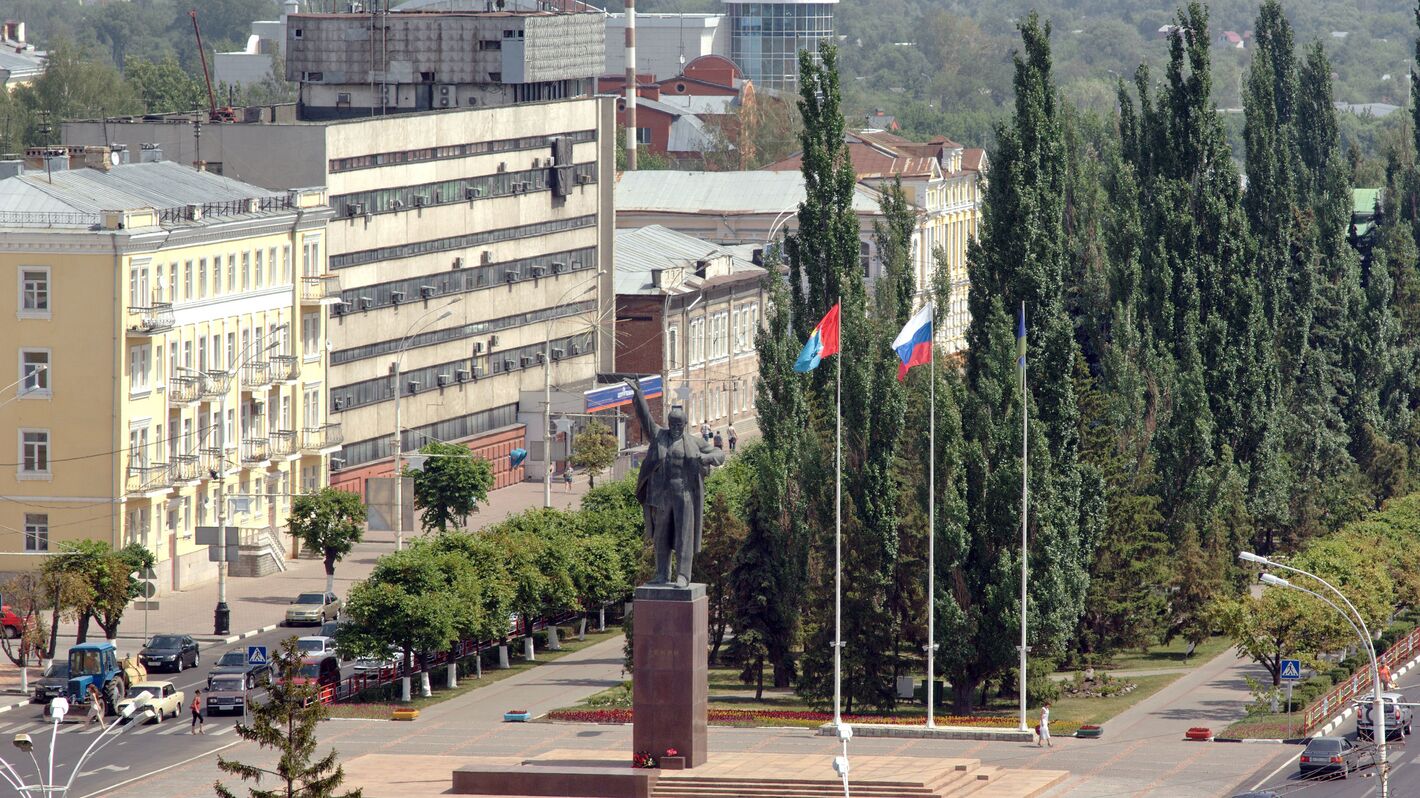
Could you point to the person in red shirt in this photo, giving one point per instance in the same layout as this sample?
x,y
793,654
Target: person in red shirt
x,y
197,721
1387,680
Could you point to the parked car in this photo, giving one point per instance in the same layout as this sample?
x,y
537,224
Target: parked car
x,y
329,628
228,692
316,645
1333,755
170,652
1398,717
388,665
10,623
52,684
235,662
166,701
313,608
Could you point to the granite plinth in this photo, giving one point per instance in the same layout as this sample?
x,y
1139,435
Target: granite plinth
x,y
670,687
565,780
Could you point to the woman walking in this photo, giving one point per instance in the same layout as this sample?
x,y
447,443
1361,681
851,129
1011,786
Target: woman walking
x,y
1044,728
197,721
96,708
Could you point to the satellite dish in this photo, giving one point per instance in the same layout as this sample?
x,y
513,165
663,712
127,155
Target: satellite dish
x,y
114,158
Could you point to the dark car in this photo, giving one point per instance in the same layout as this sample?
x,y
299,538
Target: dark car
x,y
53,683
170,652
1333,755
235,662
320,671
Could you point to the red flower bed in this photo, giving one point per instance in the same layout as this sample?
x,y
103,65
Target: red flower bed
x,y
776,717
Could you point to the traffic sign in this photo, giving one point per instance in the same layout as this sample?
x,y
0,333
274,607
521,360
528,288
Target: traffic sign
x,y
147,589
1291,670
256,655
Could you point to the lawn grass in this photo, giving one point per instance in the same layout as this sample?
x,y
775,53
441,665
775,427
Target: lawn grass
x,y
1168,656
1264,727
381,708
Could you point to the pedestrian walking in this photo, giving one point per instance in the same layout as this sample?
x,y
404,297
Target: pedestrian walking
x,y
96,708
567,478
734,439
705,431
1387,680
197,722
719,441
1043,730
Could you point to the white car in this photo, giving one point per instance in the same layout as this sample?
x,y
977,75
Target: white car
x,y
316,646
370,666
165,703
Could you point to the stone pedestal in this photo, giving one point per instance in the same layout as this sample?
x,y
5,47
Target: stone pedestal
x,y
670,683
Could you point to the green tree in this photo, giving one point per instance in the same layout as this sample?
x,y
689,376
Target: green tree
x,y
73,87
594,450
98,580
724,535
330,521
163,86
407,603
286,722
450,485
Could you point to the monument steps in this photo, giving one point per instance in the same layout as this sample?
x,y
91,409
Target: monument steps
x,y
674,787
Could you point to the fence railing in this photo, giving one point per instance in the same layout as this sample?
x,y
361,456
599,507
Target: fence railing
x,y
182,390
283,442
1400,652
285,367
256,374
255,450
315,289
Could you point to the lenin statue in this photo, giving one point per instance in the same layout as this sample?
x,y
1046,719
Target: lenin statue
x,y
671,488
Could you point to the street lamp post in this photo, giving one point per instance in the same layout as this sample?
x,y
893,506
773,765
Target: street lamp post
x,y
222,615
1378,707
58,708
398,432
547,392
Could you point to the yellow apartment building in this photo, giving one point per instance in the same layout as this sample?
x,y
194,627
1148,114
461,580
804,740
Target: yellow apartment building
x,y
163,328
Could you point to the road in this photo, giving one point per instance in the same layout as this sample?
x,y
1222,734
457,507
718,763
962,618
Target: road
x,y
135,750
1280,773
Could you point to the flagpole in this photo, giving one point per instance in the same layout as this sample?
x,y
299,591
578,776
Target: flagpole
x,y
838,540
932,534
1024,507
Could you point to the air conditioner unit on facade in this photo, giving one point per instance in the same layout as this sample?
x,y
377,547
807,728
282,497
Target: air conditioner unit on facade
x,y
458,263
576,349
478,347
366,302
396,297
558,267
338,403
427,291
537,271
509,365
492,340
525,361
486,258
443,380
472,192
512,276
556,354
413,386
462,375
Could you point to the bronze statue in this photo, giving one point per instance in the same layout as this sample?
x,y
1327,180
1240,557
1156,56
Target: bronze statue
x,y
671,488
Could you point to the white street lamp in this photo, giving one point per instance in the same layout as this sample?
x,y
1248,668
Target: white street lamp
x,y
1353,618
58,708
398,432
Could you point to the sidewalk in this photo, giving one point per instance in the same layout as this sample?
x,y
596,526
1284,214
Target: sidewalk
x,y
258,604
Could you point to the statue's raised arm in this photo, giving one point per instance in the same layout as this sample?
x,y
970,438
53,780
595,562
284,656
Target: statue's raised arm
x,y
643,410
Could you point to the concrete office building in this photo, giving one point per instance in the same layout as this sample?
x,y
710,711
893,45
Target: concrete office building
x,y
767,35
503,211
165,328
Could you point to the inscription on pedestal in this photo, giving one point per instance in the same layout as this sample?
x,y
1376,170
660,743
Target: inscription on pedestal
x,y
670,683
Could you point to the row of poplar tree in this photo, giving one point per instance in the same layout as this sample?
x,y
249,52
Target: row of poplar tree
x,y
1216,362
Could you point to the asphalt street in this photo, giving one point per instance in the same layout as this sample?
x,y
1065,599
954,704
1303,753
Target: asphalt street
x,y
1280,774
131,750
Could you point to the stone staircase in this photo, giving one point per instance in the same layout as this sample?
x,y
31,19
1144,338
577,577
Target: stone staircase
x,y
943,779
259,553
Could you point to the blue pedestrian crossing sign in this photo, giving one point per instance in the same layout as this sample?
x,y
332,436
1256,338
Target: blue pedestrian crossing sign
x,y
1292,669
256,655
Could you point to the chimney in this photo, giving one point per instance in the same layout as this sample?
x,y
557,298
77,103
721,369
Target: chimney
x,y
122,151
56,161
150,153
97,158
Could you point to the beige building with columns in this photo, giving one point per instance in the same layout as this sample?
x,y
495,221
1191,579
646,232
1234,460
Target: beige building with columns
x,y
165,327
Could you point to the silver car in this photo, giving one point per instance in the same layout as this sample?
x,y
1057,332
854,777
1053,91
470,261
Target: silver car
x,y
1398,717
313,608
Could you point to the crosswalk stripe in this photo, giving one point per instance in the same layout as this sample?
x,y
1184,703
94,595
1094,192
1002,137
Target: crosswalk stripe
x,y
147,728
176,729
222,729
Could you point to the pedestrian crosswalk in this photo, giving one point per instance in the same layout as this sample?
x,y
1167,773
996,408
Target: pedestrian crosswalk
x,y
36,726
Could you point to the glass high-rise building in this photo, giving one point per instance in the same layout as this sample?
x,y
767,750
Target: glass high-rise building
x,y
766,37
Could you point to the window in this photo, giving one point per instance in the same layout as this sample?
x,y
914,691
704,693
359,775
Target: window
x,y
34,292
673,347
310,335
286,263
231,273
217,353
34,373
172,282
737,323
217,275
697,340
232,349
246,271
271,264
643,135
36,532
138,287
202,278
138,372
201,353
259,281
187,281
34,452
864,258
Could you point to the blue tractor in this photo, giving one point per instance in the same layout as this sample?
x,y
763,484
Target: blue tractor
x,y
96,665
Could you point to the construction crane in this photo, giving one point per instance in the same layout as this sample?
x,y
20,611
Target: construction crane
x,y
226,113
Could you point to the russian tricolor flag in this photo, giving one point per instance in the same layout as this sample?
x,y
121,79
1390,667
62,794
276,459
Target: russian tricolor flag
x,y
914,344
823,341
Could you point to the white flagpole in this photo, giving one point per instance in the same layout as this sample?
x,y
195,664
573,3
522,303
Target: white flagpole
x,y
1024,507
838,536
932,534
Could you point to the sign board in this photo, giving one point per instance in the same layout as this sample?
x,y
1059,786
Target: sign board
x,y
256,655
1291,670
145,605
207,536
223,553
619,395
147,589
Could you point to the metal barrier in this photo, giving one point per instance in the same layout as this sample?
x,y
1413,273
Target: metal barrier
x,y
1400,651
357,684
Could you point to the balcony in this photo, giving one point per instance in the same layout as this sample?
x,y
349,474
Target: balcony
x,y
212,459
150,320
283,443
321,290
256,374
285,368
215,384
182,390
147,477
325,438
187,468
255,450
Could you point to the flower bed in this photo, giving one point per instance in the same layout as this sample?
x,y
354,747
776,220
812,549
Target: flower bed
x,y
771,717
